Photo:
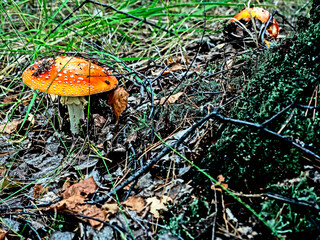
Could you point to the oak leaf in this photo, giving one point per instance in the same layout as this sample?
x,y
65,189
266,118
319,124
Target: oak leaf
x,y
135,203
74,199
118,99
110,209
157,205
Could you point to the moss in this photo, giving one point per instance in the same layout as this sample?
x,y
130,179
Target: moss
x,y
276,79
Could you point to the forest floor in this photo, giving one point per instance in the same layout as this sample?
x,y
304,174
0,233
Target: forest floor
x,y
135,178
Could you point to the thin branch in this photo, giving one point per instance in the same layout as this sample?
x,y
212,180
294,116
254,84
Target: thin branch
x,y
272,133
131,16
65,19
293,103
285,199
146,167
217,115
106,6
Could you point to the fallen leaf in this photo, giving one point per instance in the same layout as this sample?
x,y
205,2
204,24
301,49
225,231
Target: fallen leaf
x,y
110,208
8,183
83,188
132,137
135,203
221,180
3,171
118,99
2,234
66,184
172,99
170,60
74,202
156,205
98,120
173,68
39,191
10,127
31,118
9,99
220,46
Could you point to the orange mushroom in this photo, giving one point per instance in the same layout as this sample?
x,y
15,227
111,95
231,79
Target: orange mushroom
x,y
262,15
72,78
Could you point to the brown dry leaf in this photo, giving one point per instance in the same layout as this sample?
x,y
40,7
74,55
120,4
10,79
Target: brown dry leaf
x,y
118,99
174,67
74,202
10,127
169,61
172,99
83,188
221,180
39,191
76,205
66,184
127,187
2,234
156,205
135,203
99,120
132,137
110,209
9,99
3,171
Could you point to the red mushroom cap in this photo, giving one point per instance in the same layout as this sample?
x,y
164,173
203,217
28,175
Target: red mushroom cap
x,y
261,14
68,76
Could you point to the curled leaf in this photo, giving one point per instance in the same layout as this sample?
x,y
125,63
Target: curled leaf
x,y
118,99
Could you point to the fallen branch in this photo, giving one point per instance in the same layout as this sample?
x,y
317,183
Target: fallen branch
x,y
214,114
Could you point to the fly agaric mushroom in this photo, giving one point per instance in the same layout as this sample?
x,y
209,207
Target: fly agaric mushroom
x,y
72,78
260,14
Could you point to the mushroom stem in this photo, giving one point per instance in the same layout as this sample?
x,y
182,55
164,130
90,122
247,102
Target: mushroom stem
x,y
75,108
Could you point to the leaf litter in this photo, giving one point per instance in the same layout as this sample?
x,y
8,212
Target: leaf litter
x,y
73,202
162,196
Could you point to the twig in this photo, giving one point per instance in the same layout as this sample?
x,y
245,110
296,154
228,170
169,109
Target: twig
x,y
216,212
107,6
286,21
217,115
282,198
269,132
293,103
292,201
131,16
191,64
146,167
65,19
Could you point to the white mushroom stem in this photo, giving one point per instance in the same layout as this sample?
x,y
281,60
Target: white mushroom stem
x,y
75,108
